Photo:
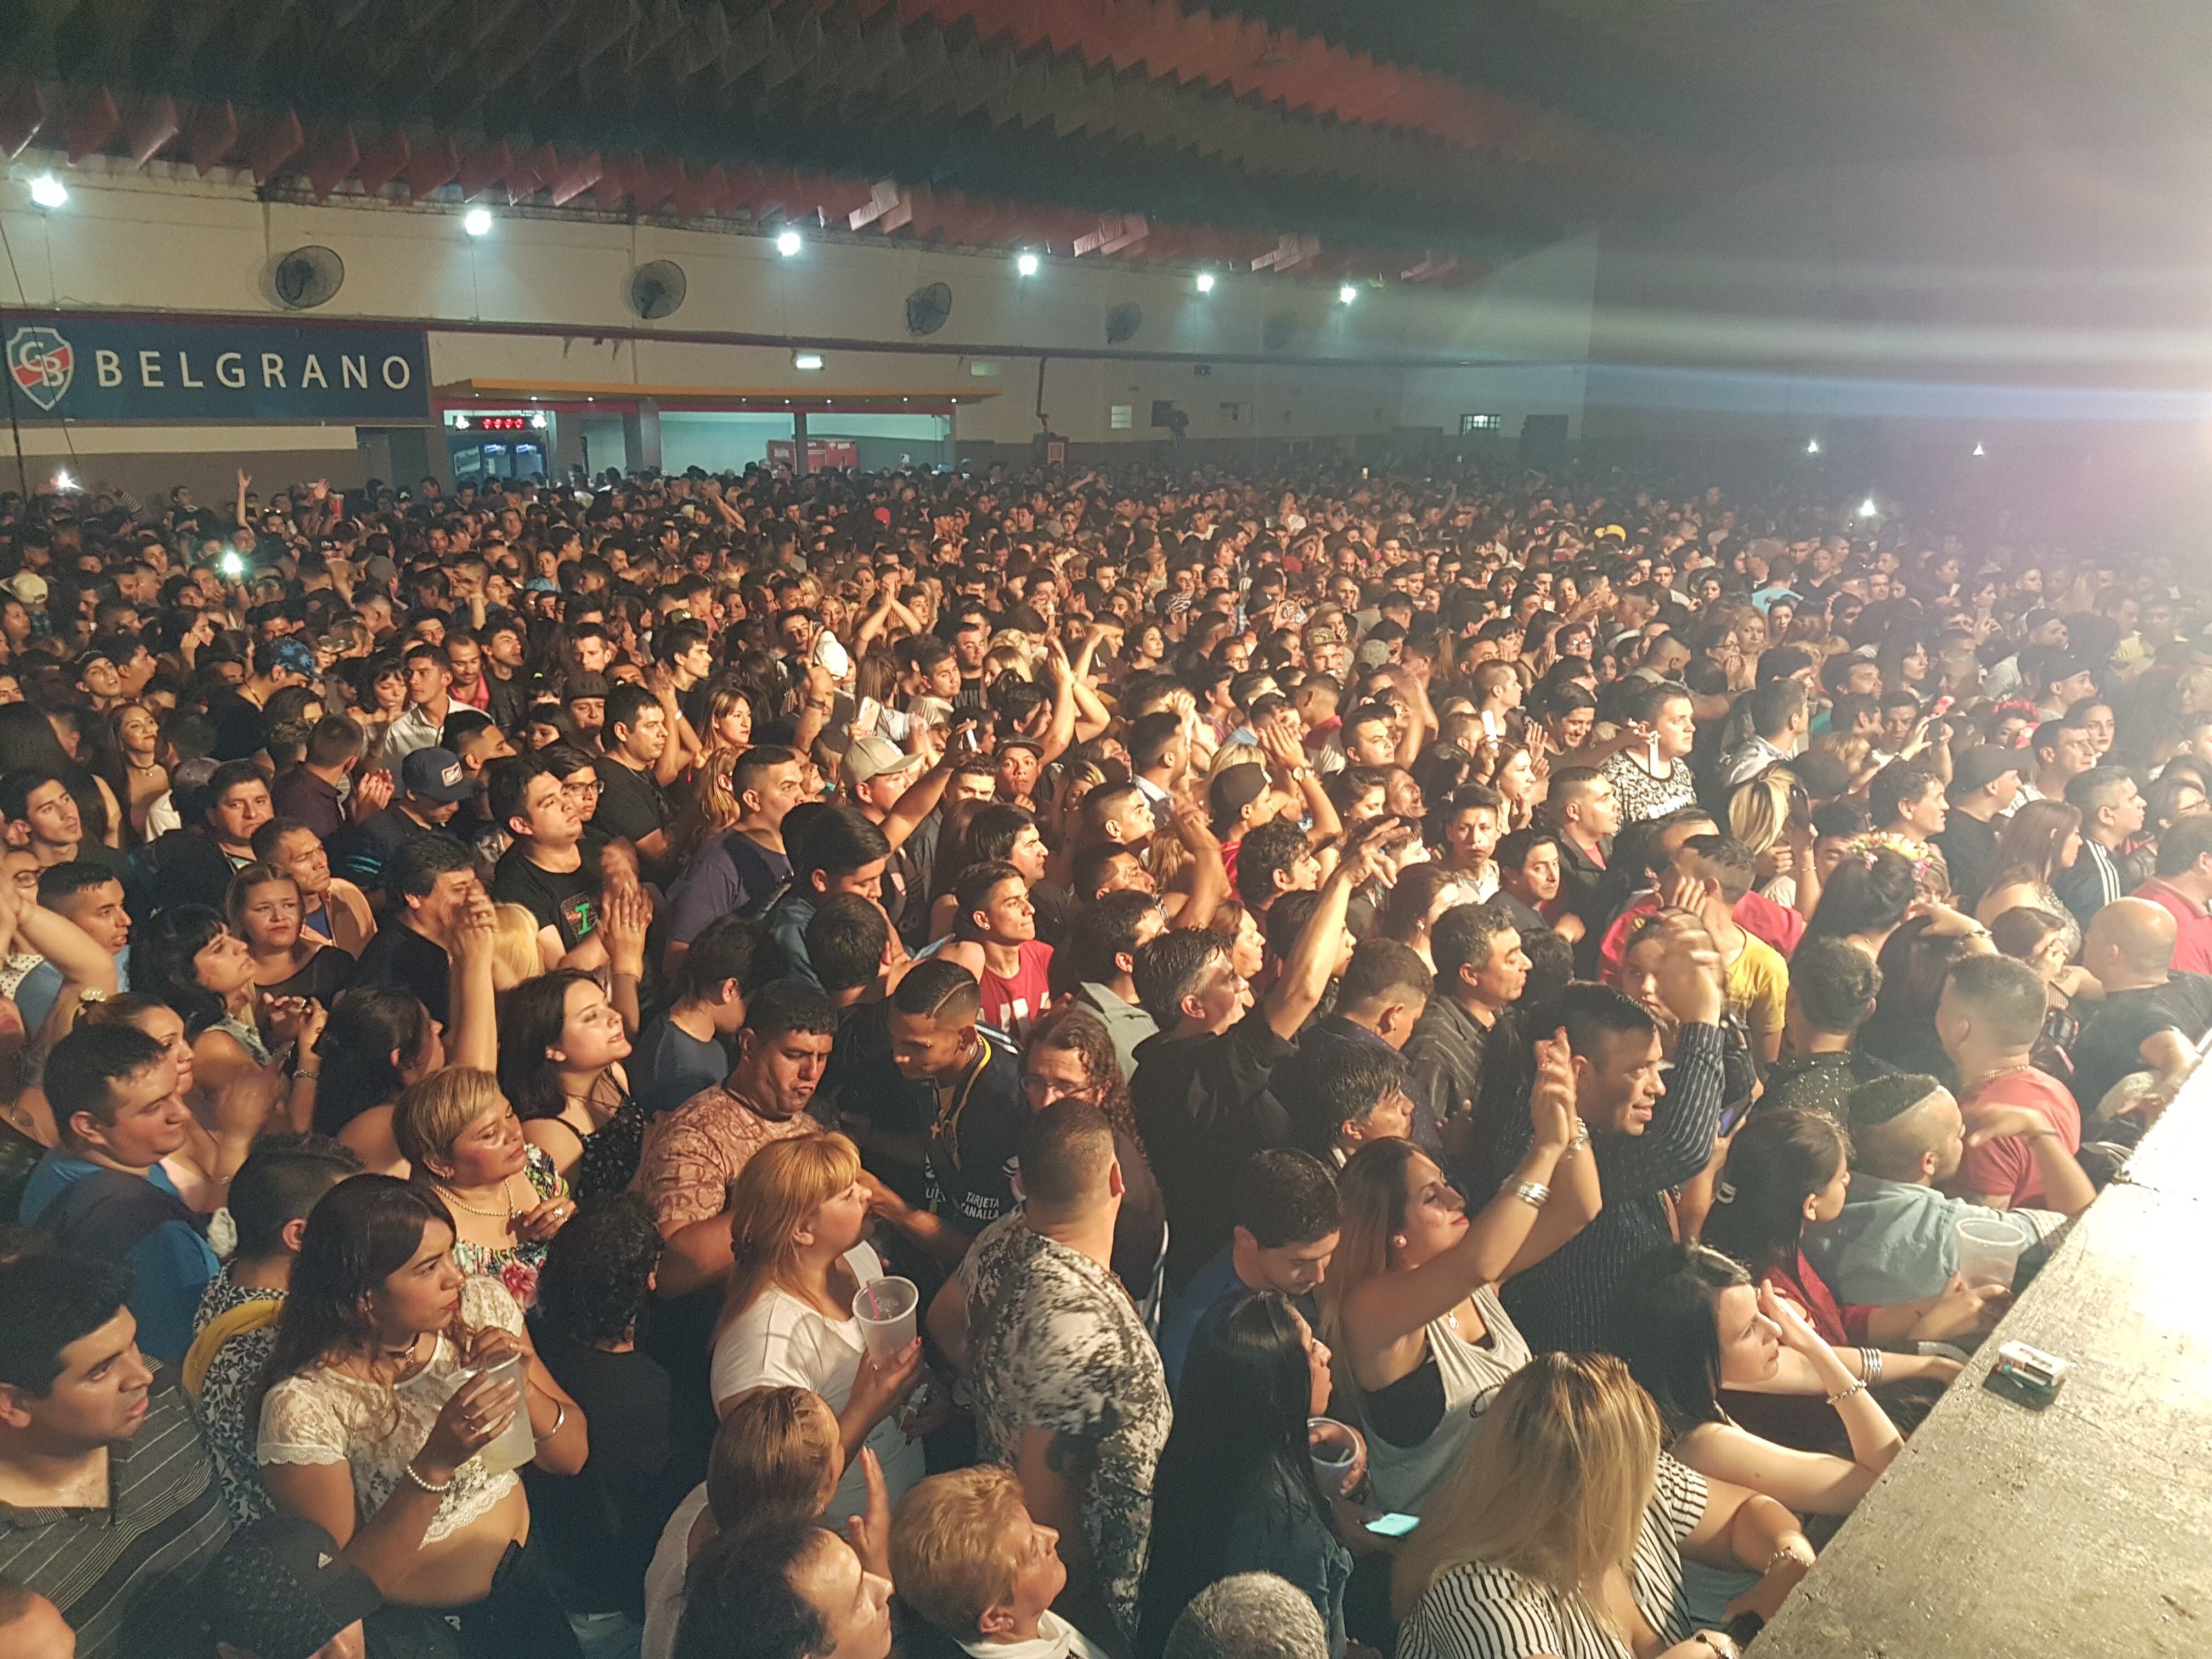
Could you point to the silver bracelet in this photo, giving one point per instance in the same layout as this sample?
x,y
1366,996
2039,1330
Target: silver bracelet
x,y
1532,1192
1870,1360
408,1469
560,1416
1858,1386
1785,1553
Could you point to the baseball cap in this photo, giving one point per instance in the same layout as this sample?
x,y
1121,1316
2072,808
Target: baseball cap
x,y
435,774
280,1589
872,756
28,586
1233,789
1978,768
294,655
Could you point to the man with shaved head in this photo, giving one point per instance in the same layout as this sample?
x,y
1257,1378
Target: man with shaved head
x,y
2183,889
2023,1126
2152,1016
1896,1236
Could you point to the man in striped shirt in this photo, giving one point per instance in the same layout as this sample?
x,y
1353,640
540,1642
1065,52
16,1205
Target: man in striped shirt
x,y
1646,1142
109,1505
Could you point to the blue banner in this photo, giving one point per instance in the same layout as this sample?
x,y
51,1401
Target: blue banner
x,y
101,369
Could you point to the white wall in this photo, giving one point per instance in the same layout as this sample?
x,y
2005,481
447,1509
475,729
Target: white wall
x,y
167,240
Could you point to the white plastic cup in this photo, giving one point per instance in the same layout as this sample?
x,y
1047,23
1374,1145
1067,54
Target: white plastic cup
x,y
1334,1450
515,1446
886,1309
1988,1251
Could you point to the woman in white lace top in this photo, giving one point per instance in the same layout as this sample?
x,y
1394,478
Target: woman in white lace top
x,y
375,1416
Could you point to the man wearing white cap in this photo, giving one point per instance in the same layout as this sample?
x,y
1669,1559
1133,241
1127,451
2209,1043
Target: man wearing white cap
x,y
894,793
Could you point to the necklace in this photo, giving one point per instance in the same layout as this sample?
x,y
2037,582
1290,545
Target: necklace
x,y
508,1214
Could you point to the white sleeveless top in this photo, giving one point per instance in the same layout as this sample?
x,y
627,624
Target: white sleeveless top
x,y
1405,1476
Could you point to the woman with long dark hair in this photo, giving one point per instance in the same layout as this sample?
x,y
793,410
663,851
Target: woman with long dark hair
x,y
561,1049
1789,1169
188,958
378,1040
1688,1321
1410,1305
1236,1489
1864,900
2043,839
375,1413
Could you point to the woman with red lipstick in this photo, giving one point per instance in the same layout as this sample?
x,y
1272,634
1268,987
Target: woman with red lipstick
x,y
377,1408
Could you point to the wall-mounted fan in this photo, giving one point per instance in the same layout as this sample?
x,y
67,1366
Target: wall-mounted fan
x,y
1122,322
308,278
928,309
656,289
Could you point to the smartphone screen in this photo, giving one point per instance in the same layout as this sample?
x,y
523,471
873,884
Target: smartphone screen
x,y
1392,1525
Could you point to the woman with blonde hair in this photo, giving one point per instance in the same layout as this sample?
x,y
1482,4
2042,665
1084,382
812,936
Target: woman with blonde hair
x,y
515,956
1759,815
1563,1531
776,1459
462,1142
798,1214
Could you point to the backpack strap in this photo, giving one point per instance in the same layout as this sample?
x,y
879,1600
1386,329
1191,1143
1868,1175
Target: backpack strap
x,y
107,1214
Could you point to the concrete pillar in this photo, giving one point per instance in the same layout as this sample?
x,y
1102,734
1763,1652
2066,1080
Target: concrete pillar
x,y
798,465
641,437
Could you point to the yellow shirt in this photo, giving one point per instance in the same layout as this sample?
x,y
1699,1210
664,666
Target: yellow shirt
x,y
1758,985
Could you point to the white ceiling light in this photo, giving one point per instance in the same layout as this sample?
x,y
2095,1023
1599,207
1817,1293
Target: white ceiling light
x,y
788,243
1347,294
1027,265
1206,282
62,481
806,362
477,221
49,192
1870,508
1979,450
1811,445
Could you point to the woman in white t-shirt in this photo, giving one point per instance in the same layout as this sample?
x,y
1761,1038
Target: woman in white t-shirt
x,y
797,1217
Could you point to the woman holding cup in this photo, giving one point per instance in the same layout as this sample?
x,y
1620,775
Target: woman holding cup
x,y
799,1219
1240,1486
392,1375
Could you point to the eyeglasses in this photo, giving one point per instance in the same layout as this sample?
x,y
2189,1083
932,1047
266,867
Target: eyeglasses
x,y
580,787
1044,1090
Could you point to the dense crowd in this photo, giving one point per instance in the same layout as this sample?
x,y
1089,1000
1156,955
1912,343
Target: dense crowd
x,y
1051,1067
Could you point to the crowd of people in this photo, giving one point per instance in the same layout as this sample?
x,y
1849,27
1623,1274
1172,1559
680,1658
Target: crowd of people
x,y
1412,1053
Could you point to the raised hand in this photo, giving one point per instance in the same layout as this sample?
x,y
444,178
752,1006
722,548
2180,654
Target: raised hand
x,y
371,792
869,1531
1690,972
1552,1102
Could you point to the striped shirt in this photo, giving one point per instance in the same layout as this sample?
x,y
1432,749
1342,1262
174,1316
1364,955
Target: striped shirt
x,y
1475,1611
1563,1303
123,1575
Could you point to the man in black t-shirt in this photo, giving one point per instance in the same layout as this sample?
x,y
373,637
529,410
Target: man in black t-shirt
x,y
632,806
544,871
430,880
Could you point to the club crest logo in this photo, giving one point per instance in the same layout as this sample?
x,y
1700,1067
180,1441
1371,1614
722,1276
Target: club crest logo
x,y
42,363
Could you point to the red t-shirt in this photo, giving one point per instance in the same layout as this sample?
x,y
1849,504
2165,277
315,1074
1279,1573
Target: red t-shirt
x,y
2006,1168
1012,1005
2193,926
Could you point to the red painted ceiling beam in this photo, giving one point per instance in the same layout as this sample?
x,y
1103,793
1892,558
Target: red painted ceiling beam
x,y
1241,55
